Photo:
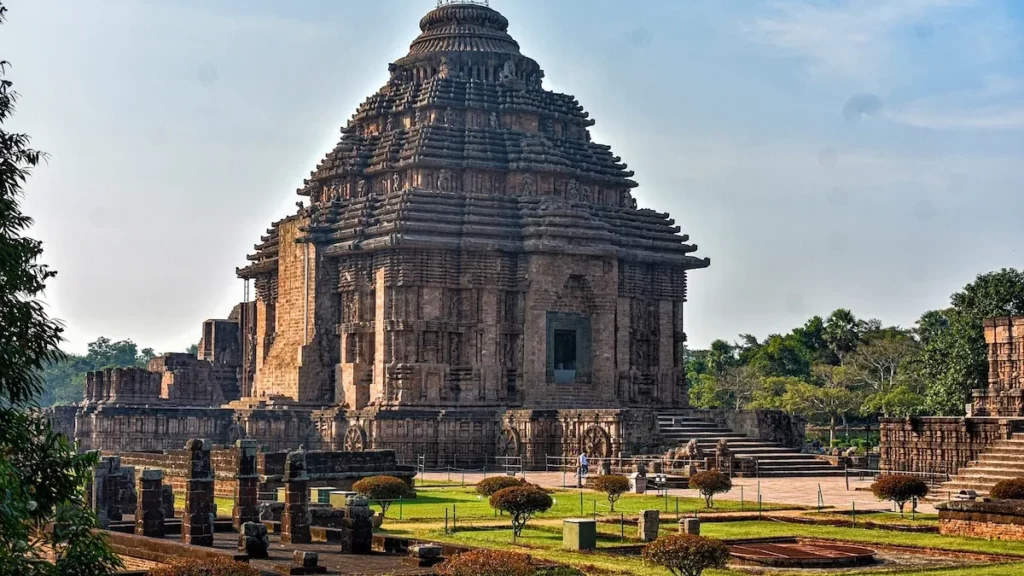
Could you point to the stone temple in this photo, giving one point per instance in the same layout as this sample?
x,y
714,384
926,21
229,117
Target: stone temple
x,y
467,276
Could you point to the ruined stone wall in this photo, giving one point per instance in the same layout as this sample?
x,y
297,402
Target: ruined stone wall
x,y
937,445
123,428
768,425
122,385
998,519
292,365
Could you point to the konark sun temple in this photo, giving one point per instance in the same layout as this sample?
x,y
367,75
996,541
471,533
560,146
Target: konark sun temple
x,y
467,277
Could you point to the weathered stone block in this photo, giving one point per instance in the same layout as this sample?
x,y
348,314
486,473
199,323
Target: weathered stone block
x,y
689,526
253,540
648,525
579,534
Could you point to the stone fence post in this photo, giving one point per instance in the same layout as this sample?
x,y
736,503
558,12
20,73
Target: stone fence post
x,y
197,520
149,515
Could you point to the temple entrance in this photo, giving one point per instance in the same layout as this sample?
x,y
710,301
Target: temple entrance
x,y
565,353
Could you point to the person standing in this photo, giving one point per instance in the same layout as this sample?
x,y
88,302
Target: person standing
x,y
581,469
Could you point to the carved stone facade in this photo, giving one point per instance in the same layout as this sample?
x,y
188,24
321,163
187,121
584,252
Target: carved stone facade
x,y
471,277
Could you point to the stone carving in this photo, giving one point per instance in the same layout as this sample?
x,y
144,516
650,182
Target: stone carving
x,y
588,194
596,443
572,190
449,119
529,185
253,540
508,442
390,125
508,73
444,180
361,188
444,70
396,182
355,439
693,450
416,118
492,121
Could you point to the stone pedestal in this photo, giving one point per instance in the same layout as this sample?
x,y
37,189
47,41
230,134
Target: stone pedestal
x,y
295,517
648,525
245,508
357,534
689,526
149,514
579,534
253,540
638,483
197,521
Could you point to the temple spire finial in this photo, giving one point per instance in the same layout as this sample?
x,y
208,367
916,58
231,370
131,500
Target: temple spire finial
x,y
441,3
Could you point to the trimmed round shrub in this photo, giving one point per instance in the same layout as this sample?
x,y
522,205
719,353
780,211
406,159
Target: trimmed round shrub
x,y
613,486
383,490
205,567
899,488
1012,489
521,503
709,483
489,486
487,562
686,554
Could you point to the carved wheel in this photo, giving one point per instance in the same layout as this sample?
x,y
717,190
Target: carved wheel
x,y
508,442
596,442
355,439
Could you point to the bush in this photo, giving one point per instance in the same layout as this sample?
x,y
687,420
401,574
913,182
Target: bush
x,y
709,483
521,503
487,562
205,567
1012,489
613,486
383,490
900,488
489,486
686,554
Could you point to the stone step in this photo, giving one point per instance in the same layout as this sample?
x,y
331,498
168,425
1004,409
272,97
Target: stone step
x,y
988,473
1008,459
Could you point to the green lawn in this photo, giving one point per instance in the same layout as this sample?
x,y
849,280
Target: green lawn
x,y
880,518
430,505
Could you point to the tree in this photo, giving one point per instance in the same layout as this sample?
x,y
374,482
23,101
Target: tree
x,y
881,359
384,490
739,383
899,488
489,562
955,353
720,357
521,503
1009,489
781,356
826,403
709,483
613,486
42,476
706,393
841,333
686,554
489,486
193,350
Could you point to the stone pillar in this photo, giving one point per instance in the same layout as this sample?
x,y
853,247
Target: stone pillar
x,y
197,521
129,491
357,534
648,525
689,526
167,501
295,518
98,494
149,514
253,540
112,487
246,485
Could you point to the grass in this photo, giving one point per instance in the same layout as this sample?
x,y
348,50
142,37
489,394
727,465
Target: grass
x,y
880,518
431,504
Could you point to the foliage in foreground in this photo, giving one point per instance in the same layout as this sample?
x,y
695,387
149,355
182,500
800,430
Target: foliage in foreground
x,y
42,476
709,483
686,554
1009,489
383,490
613,485
489,486
521,503
206,567
899,488
487,562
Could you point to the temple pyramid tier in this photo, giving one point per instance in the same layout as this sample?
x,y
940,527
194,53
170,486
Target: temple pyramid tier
x,y
467,275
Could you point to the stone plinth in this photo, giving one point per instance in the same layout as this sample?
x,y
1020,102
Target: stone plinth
x,y
295,517
357,534
638,482
149,514
996,519
197,520
648,525
246,485
253,540
579,534
689,526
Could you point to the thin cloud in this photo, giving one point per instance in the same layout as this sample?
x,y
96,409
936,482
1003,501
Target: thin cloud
x,y
997,105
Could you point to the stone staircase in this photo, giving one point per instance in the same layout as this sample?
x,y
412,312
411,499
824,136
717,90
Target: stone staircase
x,y
1001,461
678,427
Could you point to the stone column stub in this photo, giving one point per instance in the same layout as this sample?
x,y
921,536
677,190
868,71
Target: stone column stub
x,y
197,520
295,518
149,514
246,485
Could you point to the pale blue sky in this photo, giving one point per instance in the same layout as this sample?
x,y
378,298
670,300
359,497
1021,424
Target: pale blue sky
x,y
855,153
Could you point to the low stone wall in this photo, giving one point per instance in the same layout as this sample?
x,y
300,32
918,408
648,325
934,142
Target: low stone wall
x,y
767,425
335,469
997,519
938,445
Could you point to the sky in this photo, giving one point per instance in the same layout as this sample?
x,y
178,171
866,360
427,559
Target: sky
x,y
864,154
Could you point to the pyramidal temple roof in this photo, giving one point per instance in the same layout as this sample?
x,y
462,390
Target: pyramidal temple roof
x,y
463,147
